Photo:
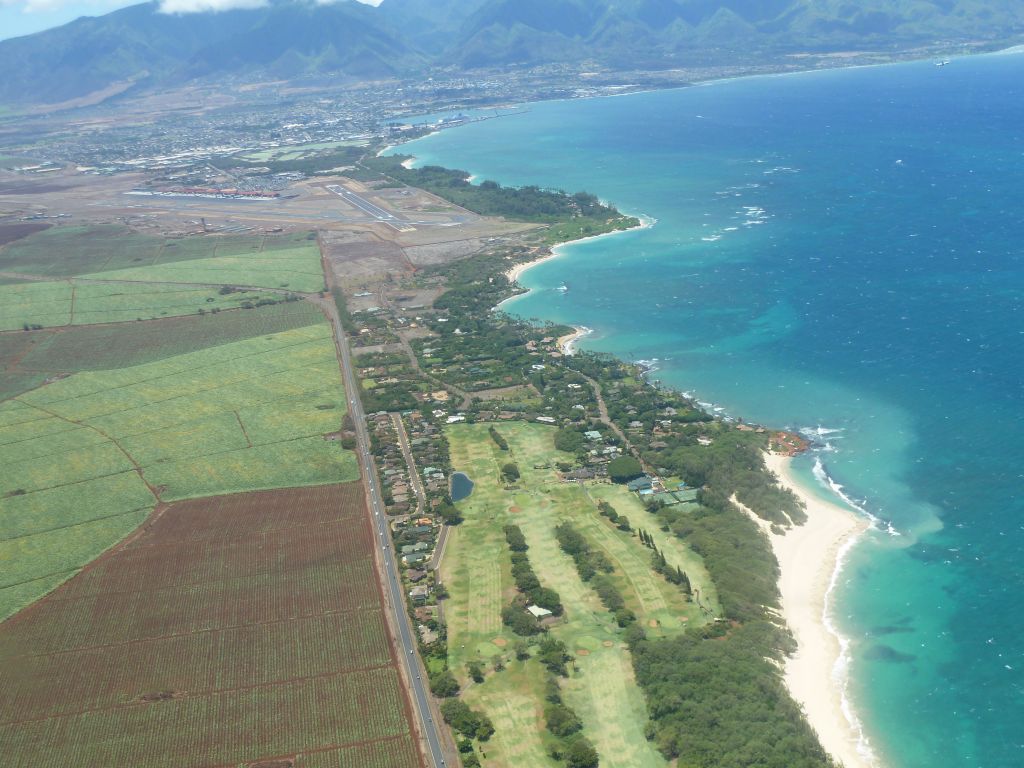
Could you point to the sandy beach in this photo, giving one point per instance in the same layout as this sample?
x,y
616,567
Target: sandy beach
x,y
514,273
808,556
567,343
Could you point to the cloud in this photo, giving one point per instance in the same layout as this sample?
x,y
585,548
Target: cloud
x,y
51,6
205,6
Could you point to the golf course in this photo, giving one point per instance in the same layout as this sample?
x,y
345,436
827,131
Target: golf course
x,y
477,571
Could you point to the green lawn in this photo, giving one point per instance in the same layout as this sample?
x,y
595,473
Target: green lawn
x,y
86,457
476,570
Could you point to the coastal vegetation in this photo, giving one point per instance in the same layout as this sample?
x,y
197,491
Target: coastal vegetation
x,y
568,215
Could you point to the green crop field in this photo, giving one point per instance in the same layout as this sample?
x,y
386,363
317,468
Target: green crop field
x,y
297,268
476,570
52,304
81,250
85,458
232,631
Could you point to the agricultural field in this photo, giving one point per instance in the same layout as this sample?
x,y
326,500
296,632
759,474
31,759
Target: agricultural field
x,y
231,630
87,457
477,572
61,303
27,358
117,253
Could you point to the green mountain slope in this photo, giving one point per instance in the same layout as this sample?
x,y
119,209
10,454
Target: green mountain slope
x,y
295,38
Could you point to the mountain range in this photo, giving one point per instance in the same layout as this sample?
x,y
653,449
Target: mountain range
x,y
288,39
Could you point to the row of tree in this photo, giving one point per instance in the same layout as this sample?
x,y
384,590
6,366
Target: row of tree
x,y
496,436
589,562
531,592
674,575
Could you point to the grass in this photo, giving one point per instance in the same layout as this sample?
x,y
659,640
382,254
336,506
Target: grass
x,y
86,457
476,570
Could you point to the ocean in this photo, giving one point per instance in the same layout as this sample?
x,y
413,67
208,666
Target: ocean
x,y
840,252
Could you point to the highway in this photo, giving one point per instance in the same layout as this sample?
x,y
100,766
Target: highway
x,y
407,640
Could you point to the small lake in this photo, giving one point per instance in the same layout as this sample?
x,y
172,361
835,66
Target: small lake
x,y
462,486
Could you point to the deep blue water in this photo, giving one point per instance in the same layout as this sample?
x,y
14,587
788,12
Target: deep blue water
x,y
841,250
462,486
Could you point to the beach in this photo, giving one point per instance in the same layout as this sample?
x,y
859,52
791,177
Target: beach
x,y
567,343
514,273
810,557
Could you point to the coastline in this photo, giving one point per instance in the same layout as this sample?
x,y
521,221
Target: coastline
x,y
811,559
513,273
567,343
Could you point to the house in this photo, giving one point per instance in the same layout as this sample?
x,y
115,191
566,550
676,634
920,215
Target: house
x,y
414,559
643,483
419,594
415,576
592,435
546,419
538,612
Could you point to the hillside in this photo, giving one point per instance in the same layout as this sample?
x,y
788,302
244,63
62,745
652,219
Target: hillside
x,y
291,38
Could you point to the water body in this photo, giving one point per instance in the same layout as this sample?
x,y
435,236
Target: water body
x,y
462,486
841,252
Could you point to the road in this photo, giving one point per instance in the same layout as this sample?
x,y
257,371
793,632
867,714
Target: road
x,y
407,640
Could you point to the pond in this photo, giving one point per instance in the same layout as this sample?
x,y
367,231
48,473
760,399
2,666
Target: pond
x,y
462,486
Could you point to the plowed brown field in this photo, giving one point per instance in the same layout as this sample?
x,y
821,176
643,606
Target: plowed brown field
x,y
229,631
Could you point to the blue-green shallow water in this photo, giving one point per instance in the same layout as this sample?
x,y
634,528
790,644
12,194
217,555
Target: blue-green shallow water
x,y
880,294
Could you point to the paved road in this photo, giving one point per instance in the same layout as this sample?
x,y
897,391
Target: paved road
x,y
407,640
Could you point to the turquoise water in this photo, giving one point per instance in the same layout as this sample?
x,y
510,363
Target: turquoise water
x,y
462,486
841,252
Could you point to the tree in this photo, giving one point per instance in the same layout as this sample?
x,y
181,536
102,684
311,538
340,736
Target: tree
x,y
581,754
519,621
510,472
476,671
516,540
450,514
444,685
561,720
624,468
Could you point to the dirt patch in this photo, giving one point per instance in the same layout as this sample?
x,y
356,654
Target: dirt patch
x,y
501,642
514,510
357,257
652,623
607,643
582,652
11,232
151,698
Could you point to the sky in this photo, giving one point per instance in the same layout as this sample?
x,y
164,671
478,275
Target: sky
x,y
23,17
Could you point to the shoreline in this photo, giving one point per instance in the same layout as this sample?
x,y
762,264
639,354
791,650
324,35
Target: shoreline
x,y
567,343
513,273
811,558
